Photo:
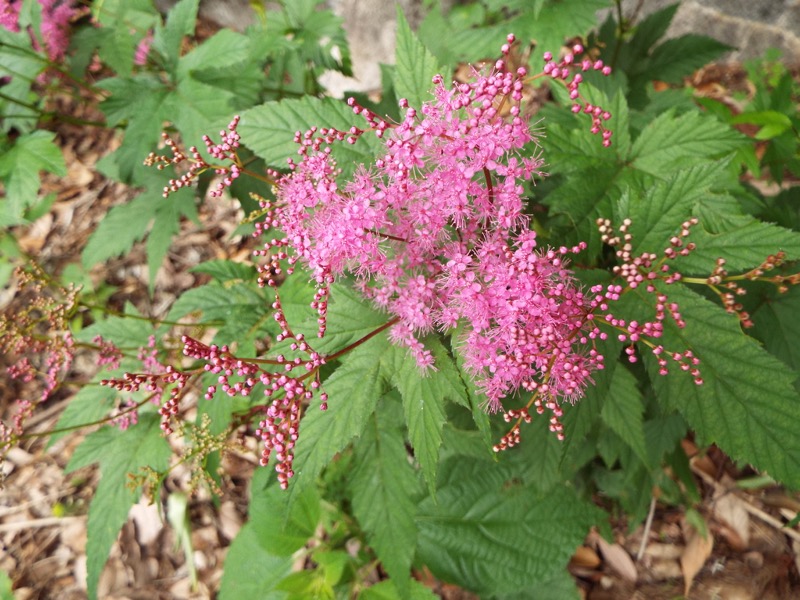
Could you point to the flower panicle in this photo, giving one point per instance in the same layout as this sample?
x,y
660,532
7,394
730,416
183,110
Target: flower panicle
x,y
225,151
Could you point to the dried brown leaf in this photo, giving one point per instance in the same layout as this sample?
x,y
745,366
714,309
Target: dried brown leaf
x,y
694,556
618,559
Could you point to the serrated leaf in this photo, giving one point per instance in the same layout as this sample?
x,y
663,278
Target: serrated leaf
x,y
167,39
671,142
623,412
560,587
386,590
569,144
415,65
219,302
551,24
658,216
423,397
19,168
662,435
119,453
250,571
777,326
20,62
198,109
743,241
125,332
261,556
268,130
747,403
283,527
580,420
351,317
679,57
489,534
382,486
243,310
122,227
141,103
224,49
353,391
90,404
651,29
538,457
226,270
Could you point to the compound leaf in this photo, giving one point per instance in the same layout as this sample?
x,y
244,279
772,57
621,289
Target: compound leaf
x,y
119,453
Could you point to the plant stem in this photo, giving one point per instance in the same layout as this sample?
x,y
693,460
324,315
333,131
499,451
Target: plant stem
x,y
361,340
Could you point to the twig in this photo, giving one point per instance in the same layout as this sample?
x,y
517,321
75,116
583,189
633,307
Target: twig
x,y
647,525
18,508
753,510
39,523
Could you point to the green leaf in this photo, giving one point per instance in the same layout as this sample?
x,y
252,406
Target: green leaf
x,y
243,309
219,302
415,65
670,142
19,169
141,103
20,62
351,317
198,109
538,457
623,412
550,24
569,144
283,527
6,592
166,224
386,590
224,49
777,326
167,39
679,57
119,453
122,227
658,215
743,241
650,30
423,396
747,403
261,556
382,486
126,332
489,534
126,224
224,271
353,392
269,129
662,435
250,571
560,587
90,404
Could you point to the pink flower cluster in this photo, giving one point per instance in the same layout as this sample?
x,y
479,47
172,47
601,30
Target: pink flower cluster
x,y
56,18
563,70
224,151
435,233
35,339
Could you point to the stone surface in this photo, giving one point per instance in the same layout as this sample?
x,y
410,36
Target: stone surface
x,y
750,26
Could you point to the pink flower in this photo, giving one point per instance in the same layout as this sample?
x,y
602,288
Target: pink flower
x,y
55,28
436,234
143,50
